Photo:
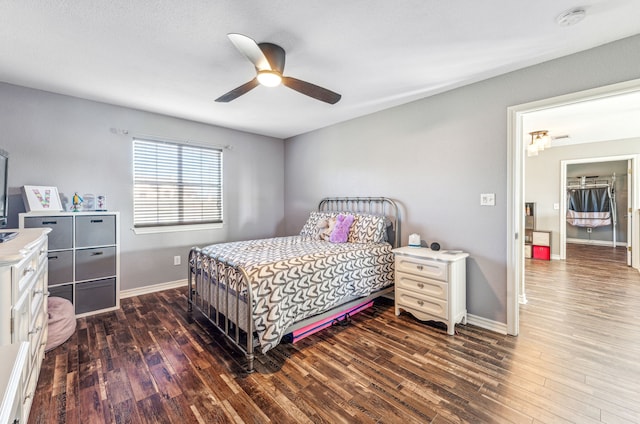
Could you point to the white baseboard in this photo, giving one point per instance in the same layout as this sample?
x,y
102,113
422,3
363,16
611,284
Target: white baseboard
x,y
153,288
596,242
487,324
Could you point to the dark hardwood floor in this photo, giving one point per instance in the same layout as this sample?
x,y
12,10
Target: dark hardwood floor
x,y
577,360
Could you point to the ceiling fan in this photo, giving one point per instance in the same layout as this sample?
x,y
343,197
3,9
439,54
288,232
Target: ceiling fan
x,y
269,60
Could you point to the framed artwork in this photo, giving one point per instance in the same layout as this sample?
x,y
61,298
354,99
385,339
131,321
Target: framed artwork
x,y
41,199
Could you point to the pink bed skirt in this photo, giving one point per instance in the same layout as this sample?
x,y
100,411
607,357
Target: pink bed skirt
x,y
326,322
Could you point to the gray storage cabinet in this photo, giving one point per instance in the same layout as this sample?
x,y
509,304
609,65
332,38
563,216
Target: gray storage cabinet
x,y
84,257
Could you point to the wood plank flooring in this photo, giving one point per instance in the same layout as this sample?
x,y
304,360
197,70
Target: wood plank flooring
x,y
577,360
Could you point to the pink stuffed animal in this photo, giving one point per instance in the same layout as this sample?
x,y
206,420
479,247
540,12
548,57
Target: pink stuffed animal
x,y
340,232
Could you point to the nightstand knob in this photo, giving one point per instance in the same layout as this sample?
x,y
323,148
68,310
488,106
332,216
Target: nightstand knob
x,y
419,267
420,285
420,302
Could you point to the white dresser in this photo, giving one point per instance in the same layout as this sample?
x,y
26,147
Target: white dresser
x,y
12,368
23,316
431,285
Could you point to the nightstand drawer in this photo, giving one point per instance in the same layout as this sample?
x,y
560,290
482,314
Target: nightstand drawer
x,y
421,303
424,286
422,267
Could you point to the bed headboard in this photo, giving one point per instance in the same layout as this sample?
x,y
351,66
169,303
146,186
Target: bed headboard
x,y
373,205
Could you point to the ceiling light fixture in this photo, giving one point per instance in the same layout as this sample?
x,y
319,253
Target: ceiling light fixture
x,y
269,78
540,140
571,16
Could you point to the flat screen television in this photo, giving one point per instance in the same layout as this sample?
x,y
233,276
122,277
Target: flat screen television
x,y
4,199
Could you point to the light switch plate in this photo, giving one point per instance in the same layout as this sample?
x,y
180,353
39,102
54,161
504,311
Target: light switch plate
x,y
487,199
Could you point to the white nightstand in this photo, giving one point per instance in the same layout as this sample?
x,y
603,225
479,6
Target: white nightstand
x,y
431,285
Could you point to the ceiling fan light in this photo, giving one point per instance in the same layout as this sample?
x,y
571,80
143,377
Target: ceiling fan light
x,y
269,78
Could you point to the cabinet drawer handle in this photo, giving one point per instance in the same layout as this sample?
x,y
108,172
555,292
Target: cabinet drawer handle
x,y
36,330
96,221
419,267
52,257
97,253
420,285
28,270
420,302
49,222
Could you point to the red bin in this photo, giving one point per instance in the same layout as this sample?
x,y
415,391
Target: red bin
x,y
541,252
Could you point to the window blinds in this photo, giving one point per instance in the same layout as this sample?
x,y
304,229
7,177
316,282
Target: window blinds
x,y
176,184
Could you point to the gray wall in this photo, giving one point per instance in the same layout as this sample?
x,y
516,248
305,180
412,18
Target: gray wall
x,y
542,183
67,142
437,155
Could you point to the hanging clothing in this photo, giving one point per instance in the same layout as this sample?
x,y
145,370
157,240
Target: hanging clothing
x,y
589,207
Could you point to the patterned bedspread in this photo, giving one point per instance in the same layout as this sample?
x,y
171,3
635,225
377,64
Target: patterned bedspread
x,y
293,278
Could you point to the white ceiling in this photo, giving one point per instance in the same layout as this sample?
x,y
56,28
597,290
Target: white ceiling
x,y
607,118
173,57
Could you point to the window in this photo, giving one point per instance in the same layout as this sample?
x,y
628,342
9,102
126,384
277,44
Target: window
x,y
176,184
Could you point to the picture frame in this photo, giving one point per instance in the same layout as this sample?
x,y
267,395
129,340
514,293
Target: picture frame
x,y
41,199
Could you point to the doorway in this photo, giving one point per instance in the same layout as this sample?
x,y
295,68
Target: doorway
x,y
516,188
616,174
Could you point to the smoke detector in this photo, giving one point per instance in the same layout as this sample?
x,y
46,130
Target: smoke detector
x,y
571,16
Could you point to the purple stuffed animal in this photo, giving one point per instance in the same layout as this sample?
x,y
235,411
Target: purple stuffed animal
x,y
340,232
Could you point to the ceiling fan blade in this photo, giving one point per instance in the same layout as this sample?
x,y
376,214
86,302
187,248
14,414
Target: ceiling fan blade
x,y
311,90
248,47
239,91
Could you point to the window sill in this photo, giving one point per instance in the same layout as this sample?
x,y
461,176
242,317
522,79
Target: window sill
x,y
176,228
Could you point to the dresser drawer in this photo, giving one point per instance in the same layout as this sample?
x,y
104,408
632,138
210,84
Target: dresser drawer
x,y
20,313
29,393
95,295
37,299
24,274
95,230
65,291
95,263
61,235
423,267
425,286
421,303
60,267
36,334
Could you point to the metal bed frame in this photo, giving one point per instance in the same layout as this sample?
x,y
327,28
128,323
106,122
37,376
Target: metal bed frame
x,y
210,270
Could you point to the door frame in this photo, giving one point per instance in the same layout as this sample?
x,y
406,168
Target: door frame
x,y
515,188
632,199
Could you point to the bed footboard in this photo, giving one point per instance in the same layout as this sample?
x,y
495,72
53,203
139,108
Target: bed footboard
x,y
220,290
